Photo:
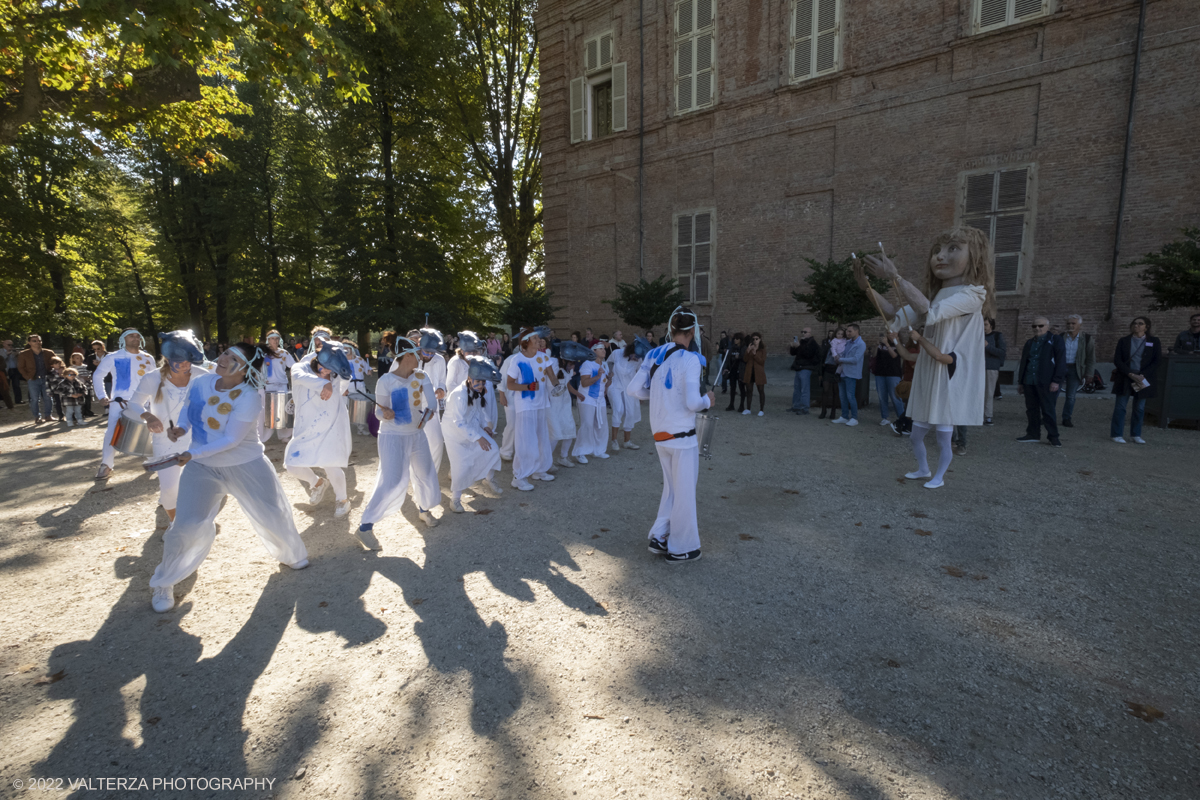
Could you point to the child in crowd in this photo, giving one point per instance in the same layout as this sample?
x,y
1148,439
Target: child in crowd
x,y
85,377
54,383
72,393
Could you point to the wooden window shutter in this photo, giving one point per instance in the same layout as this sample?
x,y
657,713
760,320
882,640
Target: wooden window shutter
x,y
606,41
578,97
620,101
591,55
695,54
827,36
998,204
802,40
684,75
683,254
1028,8
992,12
683,17
702,258
704,69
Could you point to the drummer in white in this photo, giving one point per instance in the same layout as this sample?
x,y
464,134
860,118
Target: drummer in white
x,y
622,365
670,378
322,425
529,375
359,369
127,365
469,426
433,364
224,458
404,399
278,362
164,392
592,439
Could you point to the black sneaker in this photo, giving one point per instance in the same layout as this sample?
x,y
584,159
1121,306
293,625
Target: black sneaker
x,y
1066,423
1056,443
657,547
1028,438
676,558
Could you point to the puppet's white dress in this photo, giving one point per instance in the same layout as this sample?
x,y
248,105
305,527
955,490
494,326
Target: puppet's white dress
x,y
954,325
322,433
562,419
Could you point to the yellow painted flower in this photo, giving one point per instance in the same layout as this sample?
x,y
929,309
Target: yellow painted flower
x,y
224,408
235,394
212,401
212,423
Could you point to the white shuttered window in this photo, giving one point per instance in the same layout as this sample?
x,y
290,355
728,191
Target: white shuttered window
x,y
1001,204
600,99
695,54
991,14
695,255
816,46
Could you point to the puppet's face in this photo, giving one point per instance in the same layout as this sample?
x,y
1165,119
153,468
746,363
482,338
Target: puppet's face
x,y
950,260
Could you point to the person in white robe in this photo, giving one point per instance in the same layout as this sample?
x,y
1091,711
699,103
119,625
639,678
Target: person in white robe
x,y
562,416
669,378
322,435
528,374
622,365
960,276
404,401
277,363
359,370
127,365
433,364
468,426
592,437
469,344
163,392
224,458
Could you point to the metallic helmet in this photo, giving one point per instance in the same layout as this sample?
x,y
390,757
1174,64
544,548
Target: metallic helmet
x,y
180,346
333,358
482,369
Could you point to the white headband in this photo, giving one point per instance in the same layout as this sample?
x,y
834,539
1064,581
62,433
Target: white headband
x,y
254,377
679,311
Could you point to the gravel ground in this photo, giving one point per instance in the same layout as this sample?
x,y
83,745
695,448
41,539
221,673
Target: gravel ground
x,y
1028,631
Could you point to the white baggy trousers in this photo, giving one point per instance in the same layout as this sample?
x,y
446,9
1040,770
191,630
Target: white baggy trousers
x,y
508,435
437,442
532,451
256,487
676,522
402,457
592,437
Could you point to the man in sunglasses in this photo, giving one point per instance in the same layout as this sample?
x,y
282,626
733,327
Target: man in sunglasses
x,y
1042,370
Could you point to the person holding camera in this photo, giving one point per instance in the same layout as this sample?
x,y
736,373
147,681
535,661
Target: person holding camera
x,y
806,358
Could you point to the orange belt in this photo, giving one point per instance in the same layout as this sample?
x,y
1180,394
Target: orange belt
x,y
663,436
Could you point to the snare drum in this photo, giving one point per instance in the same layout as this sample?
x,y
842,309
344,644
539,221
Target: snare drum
x,y
705,427
281,411
361,405
132,437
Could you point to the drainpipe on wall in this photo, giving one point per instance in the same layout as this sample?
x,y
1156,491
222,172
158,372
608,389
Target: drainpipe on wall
x,y
641,133
1137,66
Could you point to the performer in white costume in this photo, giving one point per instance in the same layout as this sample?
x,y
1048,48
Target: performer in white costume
x,y
622,365
562,419
359,369
592,439
960,278
404,398
278,362
530,377
225,458
322,436
670,379
320,334
127,365
164,392
469,427
433,364
469,344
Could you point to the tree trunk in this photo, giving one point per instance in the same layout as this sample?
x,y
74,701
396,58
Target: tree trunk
x,y
272,249
386,132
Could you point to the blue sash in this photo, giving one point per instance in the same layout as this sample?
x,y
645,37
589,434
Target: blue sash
x,y
195,415
400,406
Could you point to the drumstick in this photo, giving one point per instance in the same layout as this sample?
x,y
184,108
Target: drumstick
x,y
871,294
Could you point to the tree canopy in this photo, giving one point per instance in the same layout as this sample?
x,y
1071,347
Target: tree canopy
x,y
647,304
1172,274
834,296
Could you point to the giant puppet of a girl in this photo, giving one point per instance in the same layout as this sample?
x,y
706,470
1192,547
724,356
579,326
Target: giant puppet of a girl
x,y
949,380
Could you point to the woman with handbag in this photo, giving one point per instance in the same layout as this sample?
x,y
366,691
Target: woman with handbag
x,y
1136,357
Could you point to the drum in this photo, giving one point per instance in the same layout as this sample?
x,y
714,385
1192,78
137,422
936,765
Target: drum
x,y
132,437
361,405
705,427
281,411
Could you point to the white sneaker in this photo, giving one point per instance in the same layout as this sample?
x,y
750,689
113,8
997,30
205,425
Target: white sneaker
x,y
163,599
456,505
581,459
521,484
614,444
599,455
631,446
916,476
428,518
850,423
746,413
839,420
760,413
495,487
318,494
564,462
103,473
367,539
342,508
1119,439
885,422
1139,440
542,476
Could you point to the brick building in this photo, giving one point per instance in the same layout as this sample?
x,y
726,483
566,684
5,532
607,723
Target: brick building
x,y
723,141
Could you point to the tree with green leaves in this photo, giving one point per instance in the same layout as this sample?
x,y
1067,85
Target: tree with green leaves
x,y
1172,274
646,304
534,306
834,296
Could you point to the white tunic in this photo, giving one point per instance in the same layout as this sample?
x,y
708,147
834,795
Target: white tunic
x,y
562,421
954,325
322,437
464,425
456,372
275,370
168,408
674,393
127,370
626,410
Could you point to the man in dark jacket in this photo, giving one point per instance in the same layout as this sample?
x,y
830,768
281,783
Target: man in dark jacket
x,y
733,371
1041,372
806,357
34,365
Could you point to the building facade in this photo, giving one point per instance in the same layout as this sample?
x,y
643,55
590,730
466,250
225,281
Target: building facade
x,y
726,141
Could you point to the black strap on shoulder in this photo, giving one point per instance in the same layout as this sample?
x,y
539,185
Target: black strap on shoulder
x,y
669,353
